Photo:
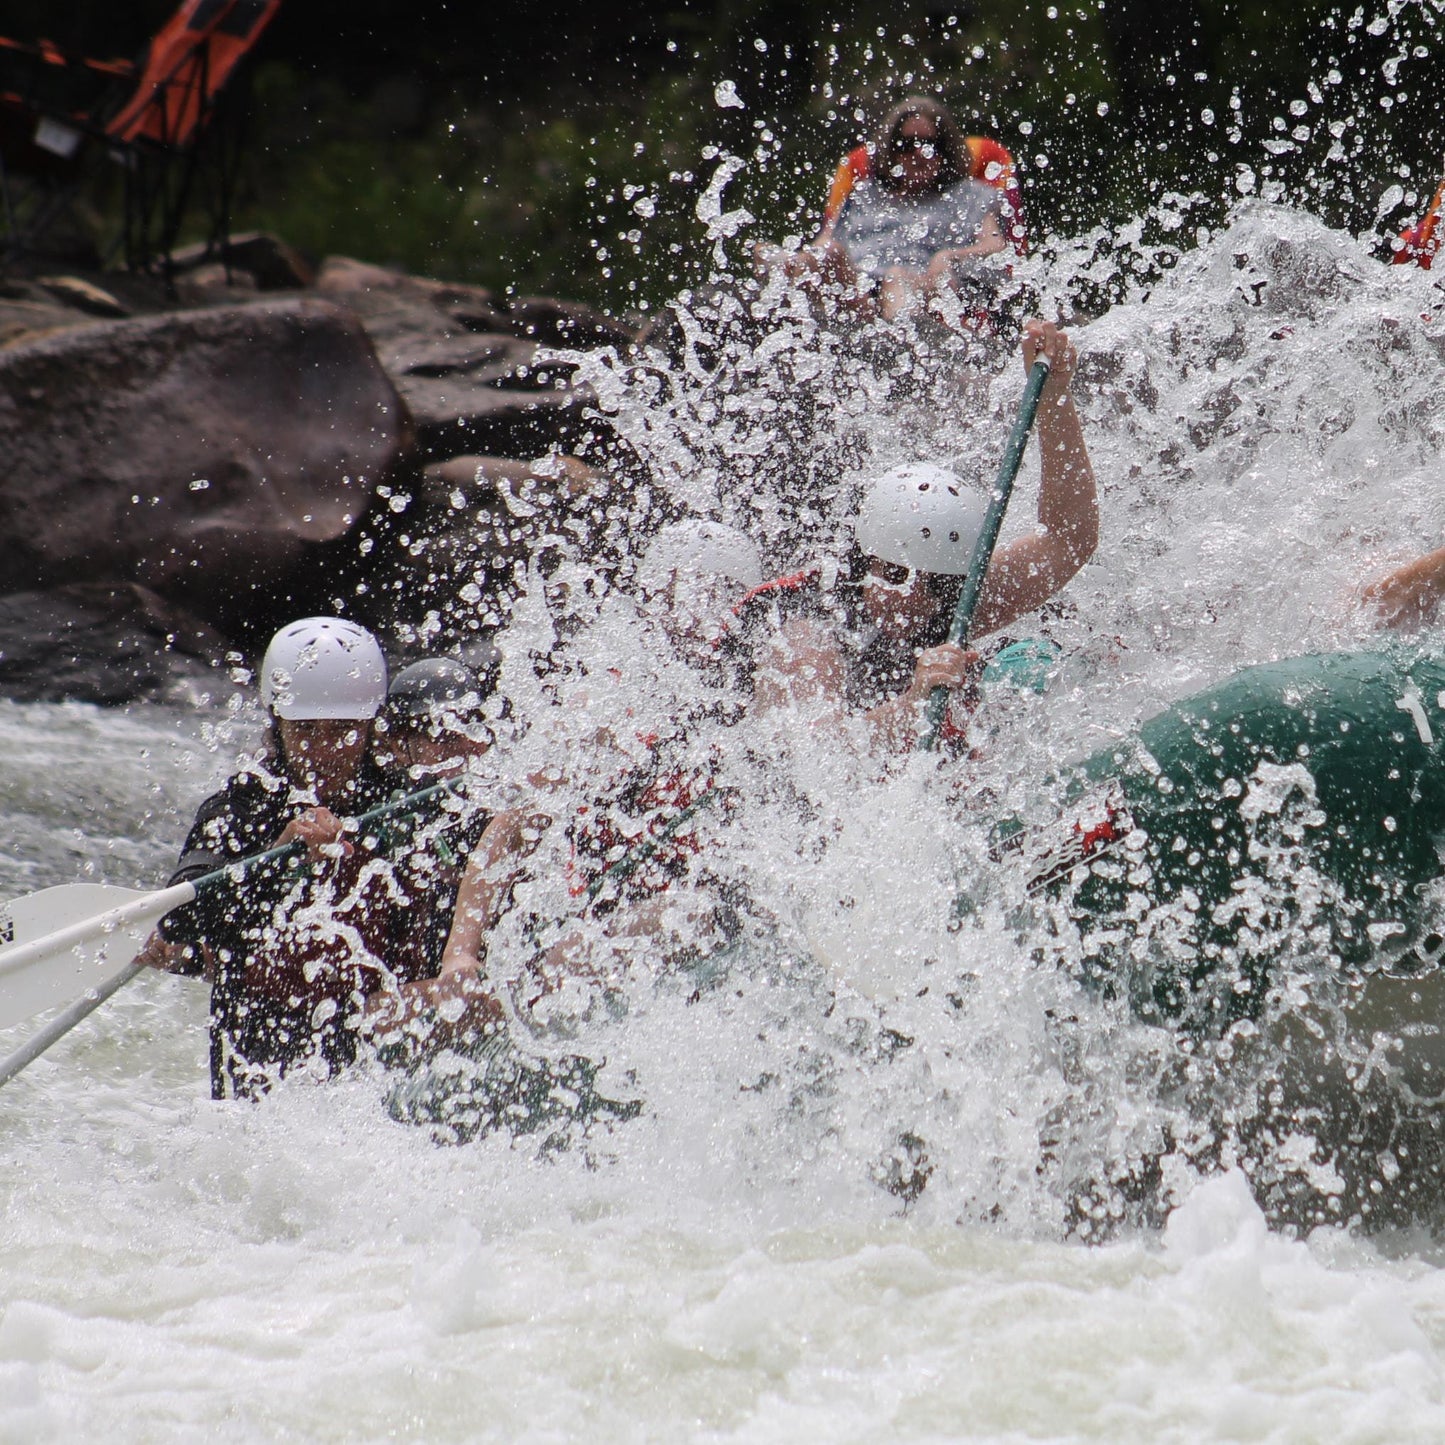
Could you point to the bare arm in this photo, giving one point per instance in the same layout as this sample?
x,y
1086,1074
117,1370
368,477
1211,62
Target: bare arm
x,y
802,668
1410,594
990,242
894,725
439,1011
1026,573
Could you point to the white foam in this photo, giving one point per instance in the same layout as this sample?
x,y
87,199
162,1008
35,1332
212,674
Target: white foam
x,y
728,1266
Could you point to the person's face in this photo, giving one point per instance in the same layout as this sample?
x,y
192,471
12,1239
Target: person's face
x,y
690,610
436,749
324,753
897,600
914,159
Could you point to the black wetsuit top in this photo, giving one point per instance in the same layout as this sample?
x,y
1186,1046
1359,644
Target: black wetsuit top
x,y
432,846
249,1031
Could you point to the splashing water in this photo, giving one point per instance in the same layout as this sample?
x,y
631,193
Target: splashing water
x,y
871,1140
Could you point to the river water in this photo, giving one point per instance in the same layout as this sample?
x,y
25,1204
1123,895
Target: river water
x,y
732,1264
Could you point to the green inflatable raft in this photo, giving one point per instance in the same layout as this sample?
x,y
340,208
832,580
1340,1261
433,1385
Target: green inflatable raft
x,y
1282,829
487,1084
1293,813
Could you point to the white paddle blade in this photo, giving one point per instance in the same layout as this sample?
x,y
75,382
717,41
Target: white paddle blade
x,y
35,977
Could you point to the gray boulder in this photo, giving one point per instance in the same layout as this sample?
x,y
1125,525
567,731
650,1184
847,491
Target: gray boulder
x,y
93,642
478,371
266,260
202,454
461,534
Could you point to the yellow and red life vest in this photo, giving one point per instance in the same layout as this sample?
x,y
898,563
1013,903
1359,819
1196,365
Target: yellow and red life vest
x,y
992,164
1418,243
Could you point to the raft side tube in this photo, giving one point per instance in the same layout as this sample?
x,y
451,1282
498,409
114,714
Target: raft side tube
x,y
1295,809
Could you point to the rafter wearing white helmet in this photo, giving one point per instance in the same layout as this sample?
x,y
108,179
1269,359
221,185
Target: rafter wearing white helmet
x,y
323,668
921,516
700,548
691,574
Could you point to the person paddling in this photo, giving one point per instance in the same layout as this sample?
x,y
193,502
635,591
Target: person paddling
x,y
637,797
870,636
439,717
915,222
295,948
439,713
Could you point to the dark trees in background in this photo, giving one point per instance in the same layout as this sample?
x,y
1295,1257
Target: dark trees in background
x,y
519,144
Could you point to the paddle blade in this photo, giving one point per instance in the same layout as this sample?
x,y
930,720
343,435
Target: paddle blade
x,y
32,980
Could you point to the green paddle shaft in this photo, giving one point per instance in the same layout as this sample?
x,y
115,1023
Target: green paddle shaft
x,y
397,808
629,863
1013,456
20,955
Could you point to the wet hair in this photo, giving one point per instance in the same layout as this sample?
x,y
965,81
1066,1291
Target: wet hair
x,y
885,665
956,160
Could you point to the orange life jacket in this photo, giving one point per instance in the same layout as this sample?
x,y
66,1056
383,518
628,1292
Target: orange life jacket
x,y
1418,243
992,164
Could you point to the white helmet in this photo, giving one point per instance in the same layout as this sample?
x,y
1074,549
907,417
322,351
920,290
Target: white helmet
x,y
323,667
700,549
922,516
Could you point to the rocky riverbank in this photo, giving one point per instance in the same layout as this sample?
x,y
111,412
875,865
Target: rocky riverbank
x,y
181,474
184,471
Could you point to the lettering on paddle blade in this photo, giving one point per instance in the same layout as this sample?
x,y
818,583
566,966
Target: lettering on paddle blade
x,y
1414,704
7,926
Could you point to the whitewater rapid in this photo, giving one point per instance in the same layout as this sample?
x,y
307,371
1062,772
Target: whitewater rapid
x,y
1265,425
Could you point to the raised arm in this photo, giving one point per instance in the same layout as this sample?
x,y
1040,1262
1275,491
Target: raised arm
x,y
1027,572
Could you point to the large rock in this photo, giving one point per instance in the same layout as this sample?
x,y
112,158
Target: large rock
x,y
204,454
380,294
467,360
462,414
91,642
452,544
267,260
29,308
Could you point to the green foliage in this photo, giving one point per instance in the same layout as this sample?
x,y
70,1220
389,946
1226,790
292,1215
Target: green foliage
x,y
587,181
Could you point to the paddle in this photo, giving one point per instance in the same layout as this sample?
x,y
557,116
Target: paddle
x,y
630,862
1013,456
47,958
